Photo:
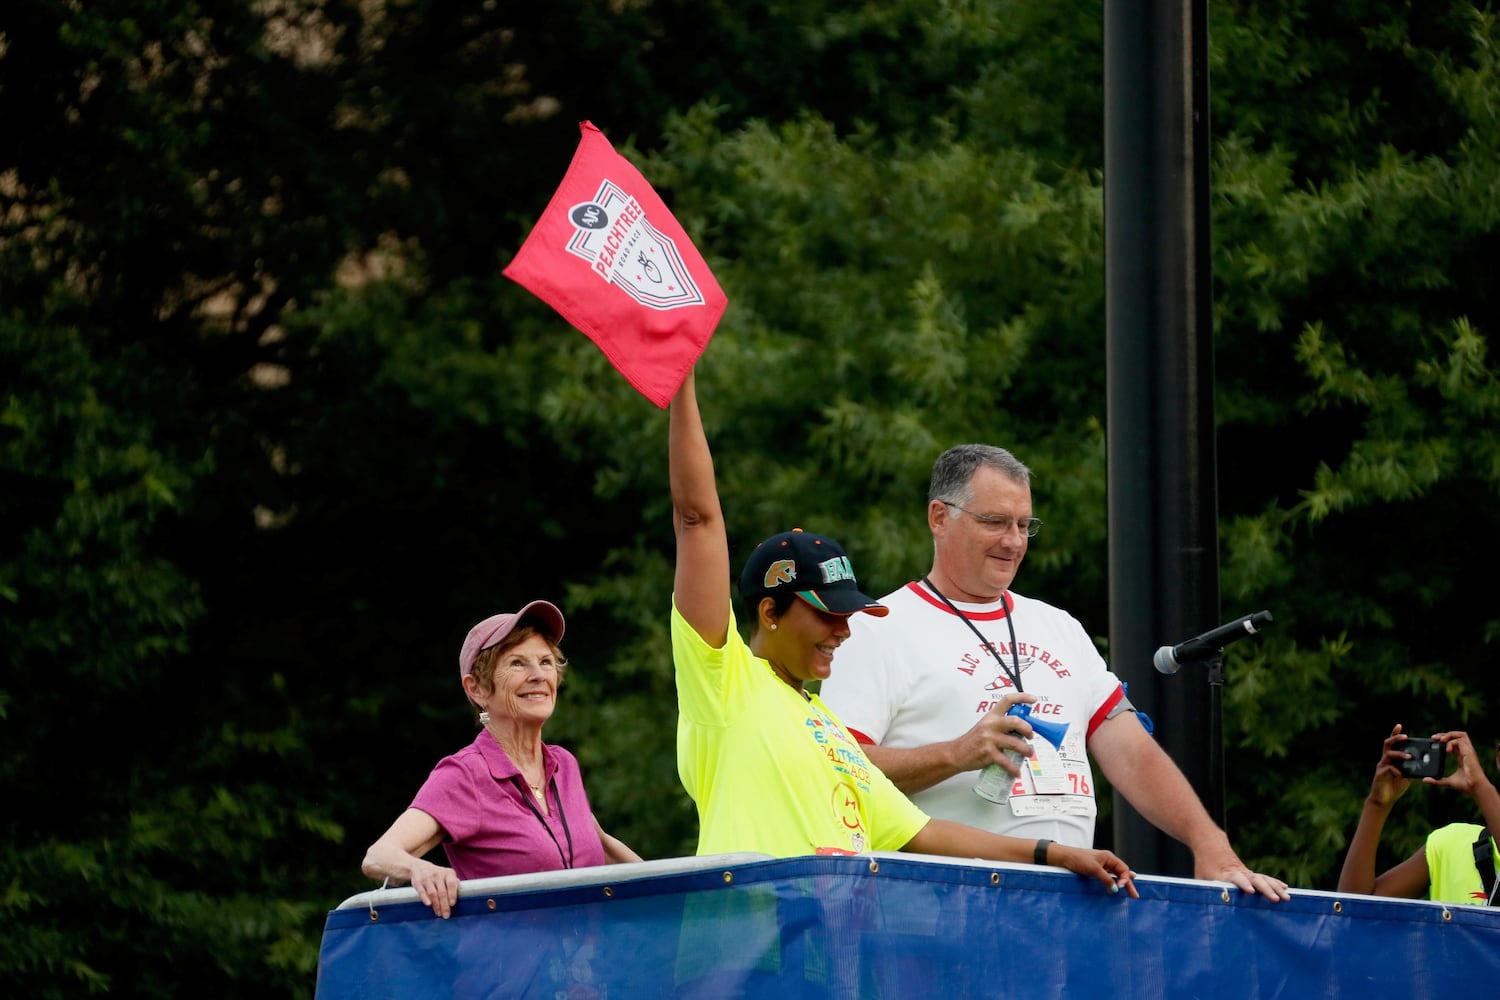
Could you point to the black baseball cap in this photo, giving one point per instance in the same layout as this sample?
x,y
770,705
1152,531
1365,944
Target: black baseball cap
x,y
814,567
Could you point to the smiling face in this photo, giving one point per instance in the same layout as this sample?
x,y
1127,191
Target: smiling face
x,y
972,561
801,647
522,687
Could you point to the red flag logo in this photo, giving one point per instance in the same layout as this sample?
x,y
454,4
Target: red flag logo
x,y
613,261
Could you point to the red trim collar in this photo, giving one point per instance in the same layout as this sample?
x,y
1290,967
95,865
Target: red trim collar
x,y
1007,601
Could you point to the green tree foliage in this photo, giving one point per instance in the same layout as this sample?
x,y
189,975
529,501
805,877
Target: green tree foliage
x,y
1357,228
895,293
274,431
241,509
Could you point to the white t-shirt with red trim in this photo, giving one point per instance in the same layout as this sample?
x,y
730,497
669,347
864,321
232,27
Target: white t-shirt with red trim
x,y
920,676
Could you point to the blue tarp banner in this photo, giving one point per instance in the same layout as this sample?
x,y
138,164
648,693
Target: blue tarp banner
x,y
887,926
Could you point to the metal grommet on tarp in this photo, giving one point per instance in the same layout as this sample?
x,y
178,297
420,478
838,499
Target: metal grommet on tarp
x,y
374,916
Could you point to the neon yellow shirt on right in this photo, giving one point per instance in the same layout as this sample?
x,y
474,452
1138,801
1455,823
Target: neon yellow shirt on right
x,y
771,770
1450,864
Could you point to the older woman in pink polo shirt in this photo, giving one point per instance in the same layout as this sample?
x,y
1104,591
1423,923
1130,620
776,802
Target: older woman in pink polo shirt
x,y
507,803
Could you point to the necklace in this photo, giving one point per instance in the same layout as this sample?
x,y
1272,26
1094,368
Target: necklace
x,y
536,786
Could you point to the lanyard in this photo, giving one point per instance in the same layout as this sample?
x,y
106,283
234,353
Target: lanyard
x,y
1011,670
562,814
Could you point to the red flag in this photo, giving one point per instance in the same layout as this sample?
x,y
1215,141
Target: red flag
x,y
611,259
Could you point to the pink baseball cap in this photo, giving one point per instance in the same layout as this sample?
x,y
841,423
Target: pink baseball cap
x,y
540,614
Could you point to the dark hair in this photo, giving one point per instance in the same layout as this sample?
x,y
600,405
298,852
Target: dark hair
x,y
780,601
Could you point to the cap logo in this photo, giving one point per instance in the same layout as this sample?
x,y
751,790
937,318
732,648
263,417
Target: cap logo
x,y
779,572
836,569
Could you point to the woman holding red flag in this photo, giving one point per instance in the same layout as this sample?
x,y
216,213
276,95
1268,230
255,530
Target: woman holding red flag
x,y
770,767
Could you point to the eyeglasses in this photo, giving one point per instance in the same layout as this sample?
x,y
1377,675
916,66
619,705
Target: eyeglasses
x,y
1000,523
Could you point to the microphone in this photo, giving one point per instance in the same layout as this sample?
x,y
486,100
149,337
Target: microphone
x,y
1208,645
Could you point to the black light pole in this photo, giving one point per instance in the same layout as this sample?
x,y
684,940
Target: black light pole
x,y
1163,511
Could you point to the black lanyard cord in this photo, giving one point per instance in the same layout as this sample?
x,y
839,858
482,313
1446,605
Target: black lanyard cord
x,y
1014,673
562,814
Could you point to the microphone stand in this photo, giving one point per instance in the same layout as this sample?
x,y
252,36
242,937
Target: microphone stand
x,y
1193,650
1215,802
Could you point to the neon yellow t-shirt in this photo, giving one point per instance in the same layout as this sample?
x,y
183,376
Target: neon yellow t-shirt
x,y
770,770
1450,864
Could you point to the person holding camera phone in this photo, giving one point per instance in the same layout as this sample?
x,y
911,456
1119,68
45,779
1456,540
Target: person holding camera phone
x,y
1457,863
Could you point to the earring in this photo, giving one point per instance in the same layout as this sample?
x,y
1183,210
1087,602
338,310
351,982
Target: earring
x,y
484,718
773,626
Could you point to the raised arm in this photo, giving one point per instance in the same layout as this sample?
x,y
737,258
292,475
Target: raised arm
x,y
1408,879
701,584
1469,777
397,856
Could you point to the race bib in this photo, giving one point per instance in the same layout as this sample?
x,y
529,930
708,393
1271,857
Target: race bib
x,y
1053,784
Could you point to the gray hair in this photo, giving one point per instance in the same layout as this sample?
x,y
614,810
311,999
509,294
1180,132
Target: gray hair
x,y
953,472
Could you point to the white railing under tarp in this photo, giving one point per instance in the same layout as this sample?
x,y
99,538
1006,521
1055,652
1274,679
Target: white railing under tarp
x,y
894,926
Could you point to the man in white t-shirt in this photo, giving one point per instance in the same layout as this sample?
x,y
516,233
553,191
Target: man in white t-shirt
x,y
927,688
